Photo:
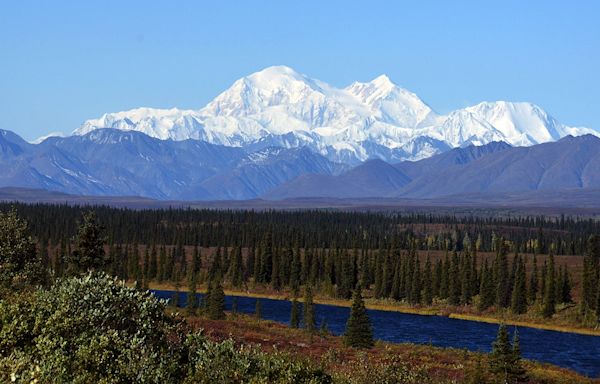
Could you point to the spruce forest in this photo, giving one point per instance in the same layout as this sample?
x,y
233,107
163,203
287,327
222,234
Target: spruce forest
x,y
508,266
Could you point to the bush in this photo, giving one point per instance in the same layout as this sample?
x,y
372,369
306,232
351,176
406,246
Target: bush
x,y
225,363
89,329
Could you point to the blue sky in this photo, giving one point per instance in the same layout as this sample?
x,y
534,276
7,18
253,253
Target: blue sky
x,y
66,61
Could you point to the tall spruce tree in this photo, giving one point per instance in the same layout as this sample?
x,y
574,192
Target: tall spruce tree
x,y
236,272
591,273
20,264
359,332
598,305
295,314
415,289
266,258
310,319
519,293
295,271
549,307
153,267
427,283
437,278
454,283
258,309
565,287
216,302
487,294
502,277
505,359
192,300
466,281
89,245
444,281
533,282
162,265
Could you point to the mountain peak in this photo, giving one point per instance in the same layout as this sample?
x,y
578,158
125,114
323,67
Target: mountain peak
x,y
276,70
383,80
280,106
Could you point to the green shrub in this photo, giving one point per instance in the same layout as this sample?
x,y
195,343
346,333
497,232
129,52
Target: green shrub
x,y
225,363
89,329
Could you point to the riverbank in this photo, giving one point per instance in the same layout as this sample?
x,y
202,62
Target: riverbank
x,y
439,310
432,364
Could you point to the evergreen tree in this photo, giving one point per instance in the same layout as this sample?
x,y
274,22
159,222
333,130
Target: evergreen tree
x,y
146,266
162,265
415,290
275,272
344,286
153,267
474,275
502,278
19,263
444,281
234,306
550,294
517,372
505,359
60,258
323,329
486,293
295,271
454,283
533,282
437,278
235,268
295,315
427,284
565,287
379,275
196,264
174,302
466,281
216,302
359,332
598,304
250,262
591,273
89,251
519,294
207,295
191,295
44,263
397,280
215,268
310,321
258,309
266,264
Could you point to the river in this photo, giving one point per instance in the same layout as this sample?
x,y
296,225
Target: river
x,y
580,353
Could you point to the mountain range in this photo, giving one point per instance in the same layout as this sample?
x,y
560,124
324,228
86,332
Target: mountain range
x,y
278,134
279,107
110,162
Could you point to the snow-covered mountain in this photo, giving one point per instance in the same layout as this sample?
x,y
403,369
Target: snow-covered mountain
x,y
378,119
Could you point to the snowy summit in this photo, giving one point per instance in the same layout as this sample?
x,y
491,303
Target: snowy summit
x,y
378,119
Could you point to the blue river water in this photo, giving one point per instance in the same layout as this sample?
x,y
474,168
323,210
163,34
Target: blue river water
x,y
580,353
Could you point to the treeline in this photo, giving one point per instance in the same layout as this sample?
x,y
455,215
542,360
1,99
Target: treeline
x,y
508,280
288,250
312,228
